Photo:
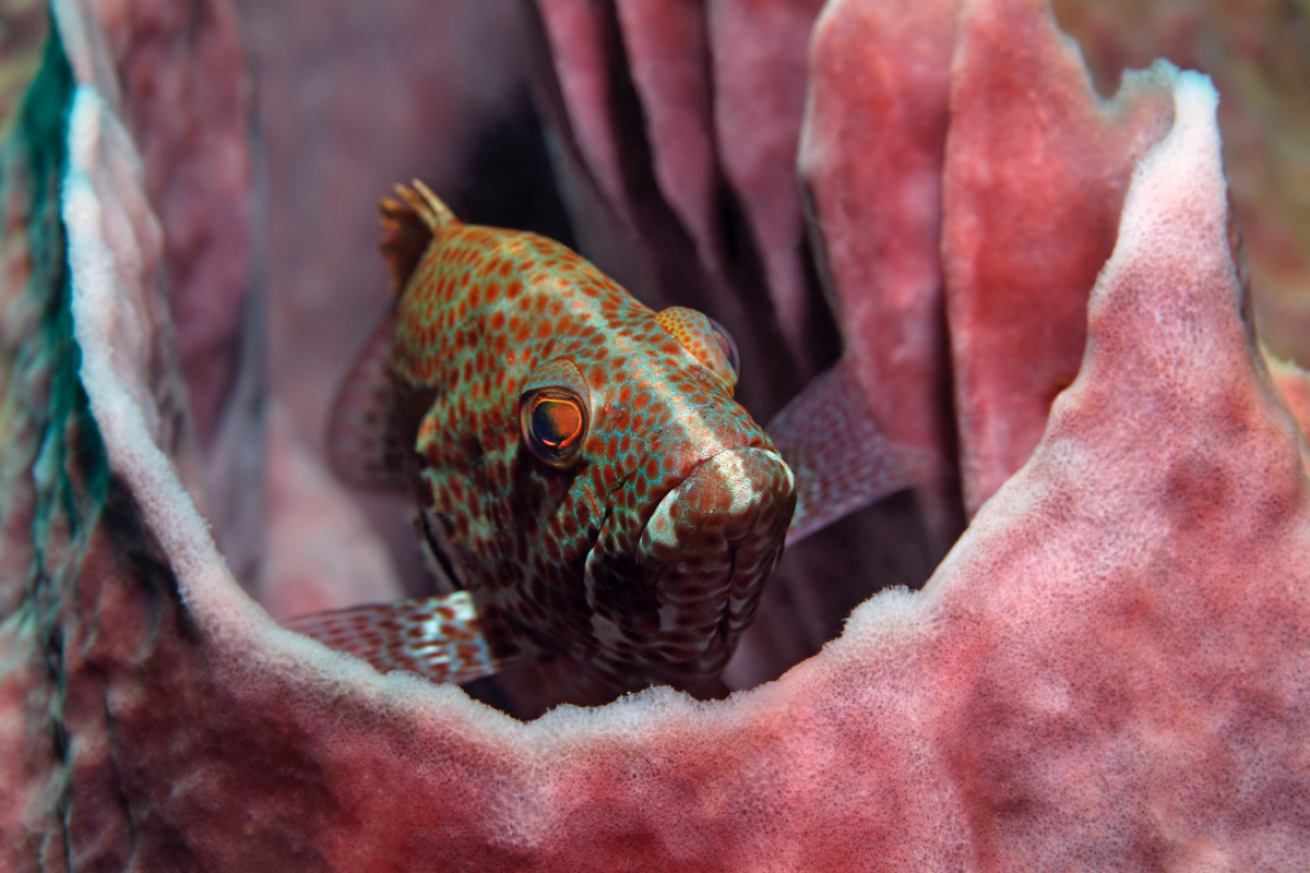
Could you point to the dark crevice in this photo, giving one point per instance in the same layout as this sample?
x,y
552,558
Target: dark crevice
x,y
823,340
509,181
116,745
143,559
770,374
678,272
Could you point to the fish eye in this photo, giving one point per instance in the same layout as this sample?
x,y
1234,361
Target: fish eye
x,y
727,344
704,339
553,421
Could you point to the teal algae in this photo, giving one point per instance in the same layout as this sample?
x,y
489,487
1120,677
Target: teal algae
x,y
54,475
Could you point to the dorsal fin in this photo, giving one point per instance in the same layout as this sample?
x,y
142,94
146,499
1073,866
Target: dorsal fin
x,y
408,227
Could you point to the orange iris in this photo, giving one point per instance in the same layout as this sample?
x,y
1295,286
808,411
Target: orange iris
x,y
556,422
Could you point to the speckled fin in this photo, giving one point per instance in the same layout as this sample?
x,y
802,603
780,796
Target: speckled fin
x,y
408,227
363,447
839,455
440,638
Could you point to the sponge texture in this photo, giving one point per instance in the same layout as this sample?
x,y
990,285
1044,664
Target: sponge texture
x,y
1108,671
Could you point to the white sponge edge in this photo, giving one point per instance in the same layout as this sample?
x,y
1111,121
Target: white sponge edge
x,y
101,309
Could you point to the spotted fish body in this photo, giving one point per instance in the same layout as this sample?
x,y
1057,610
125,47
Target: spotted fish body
x,y
586,477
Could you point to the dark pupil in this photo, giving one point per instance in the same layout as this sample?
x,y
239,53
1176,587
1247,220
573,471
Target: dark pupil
x,y
556,422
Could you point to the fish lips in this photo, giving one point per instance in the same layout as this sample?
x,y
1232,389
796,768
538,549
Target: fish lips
x,y
703,559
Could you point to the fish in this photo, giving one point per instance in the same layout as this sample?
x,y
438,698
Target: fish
x,y
589,490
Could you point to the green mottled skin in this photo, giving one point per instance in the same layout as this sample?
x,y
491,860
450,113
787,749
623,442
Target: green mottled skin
x,y
587,562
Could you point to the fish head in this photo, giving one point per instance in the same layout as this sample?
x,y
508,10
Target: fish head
x,y
694,500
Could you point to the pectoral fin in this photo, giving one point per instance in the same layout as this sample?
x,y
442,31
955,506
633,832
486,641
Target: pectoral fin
x,y
840,456
364,449
440,638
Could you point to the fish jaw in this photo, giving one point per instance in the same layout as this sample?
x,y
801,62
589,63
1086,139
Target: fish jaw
x,y
673,610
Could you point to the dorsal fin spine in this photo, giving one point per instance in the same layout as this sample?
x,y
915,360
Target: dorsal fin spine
x,y
409,226
435,214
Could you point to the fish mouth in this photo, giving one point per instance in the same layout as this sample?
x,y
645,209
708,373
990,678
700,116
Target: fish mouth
x,y
704,558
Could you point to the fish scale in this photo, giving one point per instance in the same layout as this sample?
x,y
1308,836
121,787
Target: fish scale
x,y
543,417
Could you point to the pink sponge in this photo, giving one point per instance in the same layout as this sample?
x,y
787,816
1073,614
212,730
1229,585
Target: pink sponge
x,y
1036,170
1109,670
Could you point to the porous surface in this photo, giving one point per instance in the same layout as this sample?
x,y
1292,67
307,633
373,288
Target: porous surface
x,y
760,53
185,97
1116,643
1035,174
668,53
1259,56
1107,672
871,158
